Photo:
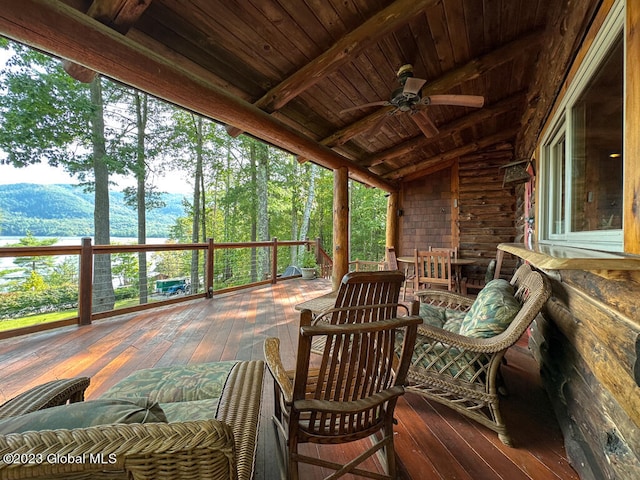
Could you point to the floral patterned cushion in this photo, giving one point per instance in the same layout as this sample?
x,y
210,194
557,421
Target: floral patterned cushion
x,y
453,320
432,315
86,414
188,411
175,384
492,311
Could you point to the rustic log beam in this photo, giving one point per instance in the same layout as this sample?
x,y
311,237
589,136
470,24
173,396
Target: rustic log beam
x,y
474,118
471,70
55,27
341,52
120,15
392,236
340,226
417,170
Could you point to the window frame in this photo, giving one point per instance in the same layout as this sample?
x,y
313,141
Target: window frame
x,y
560,130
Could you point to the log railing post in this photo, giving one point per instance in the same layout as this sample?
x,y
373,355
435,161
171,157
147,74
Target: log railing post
x,y
274,261
85,284
210,254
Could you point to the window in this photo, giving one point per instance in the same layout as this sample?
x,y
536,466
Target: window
x,y
581,168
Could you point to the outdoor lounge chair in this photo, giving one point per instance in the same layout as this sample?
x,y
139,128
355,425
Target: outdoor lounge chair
x,y
179,422
351,396
460,347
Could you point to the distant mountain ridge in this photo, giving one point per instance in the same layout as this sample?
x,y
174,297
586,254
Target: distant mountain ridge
x,y
67,210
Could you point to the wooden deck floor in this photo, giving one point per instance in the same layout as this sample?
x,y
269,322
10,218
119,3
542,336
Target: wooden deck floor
x,y
432,441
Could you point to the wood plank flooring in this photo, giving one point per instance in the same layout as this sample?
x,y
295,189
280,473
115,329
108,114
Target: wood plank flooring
x,y
432,441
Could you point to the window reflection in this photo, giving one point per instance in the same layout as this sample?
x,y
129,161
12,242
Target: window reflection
x,y
596,150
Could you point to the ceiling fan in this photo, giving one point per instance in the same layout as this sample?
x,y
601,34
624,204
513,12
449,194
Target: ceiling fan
x,y
407,99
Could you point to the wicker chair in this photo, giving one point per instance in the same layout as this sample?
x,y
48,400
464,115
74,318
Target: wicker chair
x,y
219,448
50,394
351,396
462,372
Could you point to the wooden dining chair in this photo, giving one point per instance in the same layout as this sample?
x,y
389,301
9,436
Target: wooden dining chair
x,y
432,269
453,252
349,397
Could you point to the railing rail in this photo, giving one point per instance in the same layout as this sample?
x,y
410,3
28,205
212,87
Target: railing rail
x,y
86,253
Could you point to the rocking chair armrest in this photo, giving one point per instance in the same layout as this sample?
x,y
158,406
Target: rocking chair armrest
x,y
444,298
274,363
50,394
428,333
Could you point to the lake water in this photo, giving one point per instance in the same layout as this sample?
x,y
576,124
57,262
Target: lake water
x,y
8,262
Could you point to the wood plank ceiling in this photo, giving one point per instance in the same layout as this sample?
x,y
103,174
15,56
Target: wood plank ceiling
x,y
305,61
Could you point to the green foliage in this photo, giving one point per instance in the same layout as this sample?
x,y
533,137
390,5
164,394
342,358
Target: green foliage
x,y
20,304
67,211
308,259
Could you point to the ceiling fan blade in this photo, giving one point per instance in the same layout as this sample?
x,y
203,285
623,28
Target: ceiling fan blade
x,y
413,85
425,124
367,105
476,101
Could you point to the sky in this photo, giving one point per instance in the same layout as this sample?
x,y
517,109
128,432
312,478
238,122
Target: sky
x,y
173,182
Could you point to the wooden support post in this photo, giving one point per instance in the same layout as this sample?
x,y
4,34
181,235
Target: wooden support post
x,y
274,261
393,213
85,287
340,225
210,254
455,205
631,190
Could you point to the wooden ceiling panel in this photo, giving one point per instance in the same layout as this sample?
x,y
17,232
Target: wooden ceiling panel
x,y
301,62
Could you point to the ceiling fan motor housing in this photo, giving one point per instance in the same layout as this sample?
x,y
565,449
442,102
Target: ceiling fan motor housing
x,y
401,99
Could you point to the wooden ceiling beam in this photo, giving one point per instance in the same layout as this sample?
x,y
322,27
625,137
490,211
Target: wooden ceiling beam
x,y
54,27
469,71
120,15
417,170
478,116
340,53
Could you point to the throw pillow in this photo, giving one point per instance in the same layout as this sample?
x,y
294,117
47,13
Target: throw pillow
x,y
492,311
86,414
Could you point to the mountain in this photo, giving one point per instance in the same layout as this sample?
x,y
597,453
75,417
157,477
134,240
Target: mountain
x,y
67,210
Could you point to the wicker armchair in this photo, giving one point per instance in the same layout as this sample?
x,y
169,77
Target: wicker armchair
x,y
463,372
50,394
220,448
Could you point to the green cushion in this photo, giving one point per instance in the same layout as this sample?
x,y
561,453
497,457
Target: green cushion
x,y
453,320
492,311
174,384
187,411
432,315
86,414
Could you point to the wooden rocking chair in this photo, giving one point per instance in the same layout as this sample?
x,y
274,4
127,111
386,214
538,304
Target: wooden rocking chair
x,y
351,396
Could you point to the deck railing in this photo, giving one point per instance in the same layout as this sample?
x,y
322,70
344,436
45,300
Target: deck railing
x,y
177,272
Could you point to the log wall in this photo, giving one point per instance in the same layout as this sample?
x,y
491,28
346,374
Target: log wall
x,y
487,210
463,206
426,213
587,343
588,339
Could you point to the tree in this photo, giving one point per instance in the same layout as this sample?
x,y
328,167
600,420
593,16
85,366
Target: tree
x,y
41,264
48,116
